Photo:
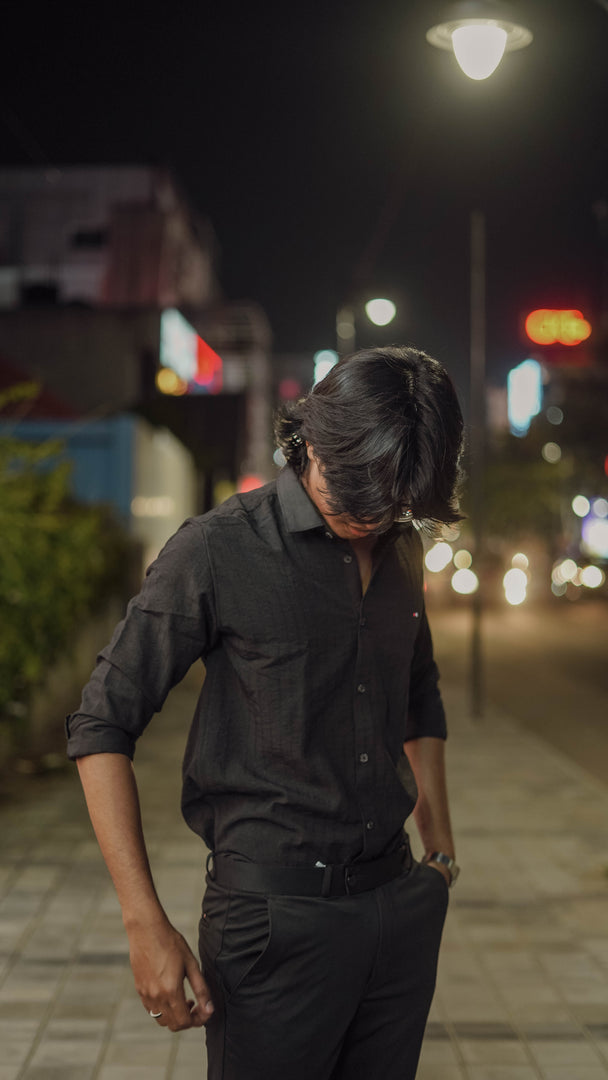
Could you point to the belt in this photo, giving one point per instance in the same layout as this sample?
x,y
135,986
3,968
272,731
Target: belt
x,y
308,881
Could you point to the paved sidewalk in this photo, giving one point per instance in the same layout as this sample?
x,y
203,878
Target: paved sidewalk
x,y
523,984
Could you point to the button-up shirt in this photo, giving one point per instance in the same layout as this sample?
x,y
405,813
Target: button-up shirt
x,y
295,754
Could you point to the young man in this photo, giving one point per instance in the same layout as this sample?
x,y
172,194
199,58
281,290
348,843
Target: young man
x,y
319,730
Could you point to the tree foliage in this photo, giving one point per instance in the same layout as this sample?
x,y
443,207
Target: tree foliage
x,y
58,559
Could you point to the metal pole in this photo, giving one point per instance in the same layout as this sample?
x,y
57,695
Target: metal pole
x,y
478,440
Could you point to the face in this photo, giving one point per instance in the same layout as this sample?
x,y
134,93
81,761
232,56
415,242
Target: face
x,y
342,525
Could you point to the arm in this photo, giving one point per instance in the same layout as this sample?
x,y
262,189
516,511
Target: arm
x,y
160,957
431,813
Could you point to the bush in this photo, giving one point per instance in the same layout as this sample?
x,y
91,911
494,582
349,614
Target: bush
x,y
58,560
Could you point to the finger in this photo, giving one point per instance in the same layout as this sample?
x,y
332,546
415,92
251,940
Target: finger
x,y
204,1005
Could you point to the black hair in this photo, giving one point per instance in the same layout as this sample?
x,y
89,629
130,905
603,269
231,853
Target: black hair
x,y
387,432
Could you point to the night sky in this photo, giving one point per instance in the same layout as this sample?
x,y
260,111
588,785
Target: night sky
x,y
337,154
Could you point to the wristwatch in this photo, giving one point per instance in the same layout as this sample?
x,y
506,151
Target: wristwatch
x,y
445,860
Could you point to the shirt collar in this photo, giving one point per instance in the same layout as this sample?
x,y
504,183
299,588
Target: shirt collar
x,y
299,512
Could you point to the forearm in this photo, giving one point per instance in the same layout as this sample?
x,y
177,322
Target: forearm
x,y
113,803
431,814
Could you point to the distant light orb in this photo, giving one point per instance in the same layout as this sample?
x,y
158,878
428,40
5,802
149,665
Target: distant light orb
x,y
169,382
554,415
581,506
279,457
551,452
438,557
564,571
380,311
515,584
600,508
249,482
559,588
592,577
465,582
595,537
463,559
520,561
324,361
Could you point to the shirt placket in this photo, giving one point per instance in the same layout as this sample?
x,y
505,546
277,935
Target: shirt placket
x,y
363,712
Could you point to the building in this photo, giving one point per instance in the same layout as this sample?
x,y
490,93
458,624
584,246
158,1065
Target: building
x,y
95,263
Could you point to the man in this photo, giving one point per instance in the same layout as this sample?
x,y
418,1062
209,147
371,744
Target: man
x,y
319,729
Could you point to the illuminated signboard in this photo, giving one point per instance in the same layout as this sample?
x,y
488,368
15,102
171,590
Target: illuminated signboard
x,y
198,369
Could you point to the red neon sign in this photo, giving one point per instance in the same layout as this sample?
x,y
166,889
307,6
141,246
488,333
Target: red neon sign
x,y
547,326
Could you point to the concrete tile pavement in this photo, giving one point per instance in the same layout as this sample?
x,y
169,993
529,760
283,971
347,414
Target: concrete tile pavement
x,y
523,983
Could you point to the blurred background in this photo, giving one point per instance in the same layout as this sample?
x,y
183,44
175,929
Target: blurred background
x,y
196,208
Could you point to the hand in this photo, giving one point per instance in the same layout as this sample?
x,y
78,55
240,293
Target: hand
x,y
161,959
442,870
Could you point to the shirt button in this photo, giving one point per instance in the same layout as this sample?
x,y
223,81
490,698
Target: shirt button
x,y
348,558
361,688
329,536
369,824
363,621
363,758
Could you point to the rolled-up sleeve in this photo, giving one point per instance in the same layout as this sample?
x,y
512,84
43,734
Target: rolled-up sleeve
x,y
167,626
426,714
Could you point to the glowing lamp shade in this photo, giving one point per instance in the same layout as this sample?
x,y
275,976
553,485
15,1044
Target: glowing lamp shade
x,y
479,43
547,326
479,48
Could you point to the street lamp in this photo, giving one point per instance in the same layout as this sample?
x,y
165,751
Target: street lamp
x,y
379,311
479,33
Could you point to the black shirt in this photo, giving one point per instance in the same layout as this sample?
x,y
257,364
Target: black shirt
x,y
296,749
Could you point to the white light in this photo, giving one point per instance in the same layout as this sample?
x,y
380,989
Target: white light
x,y
279,457
551,452
438,557
465,582
380,312
600,508
567,570
479,43
592,577
520,560
324,361
581,506
463,559
524,395
595,537
479,49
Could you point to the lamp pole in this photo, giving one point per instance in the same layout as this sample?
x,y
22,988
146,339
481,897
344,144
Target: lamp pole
x,y
477,396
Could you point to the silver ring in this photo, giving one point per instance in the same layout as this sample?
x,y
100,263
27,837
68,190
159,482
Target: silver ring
x,y
154,1016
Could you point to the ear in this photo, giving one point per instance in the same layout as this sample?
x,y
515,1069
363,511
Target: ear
x,y
310,450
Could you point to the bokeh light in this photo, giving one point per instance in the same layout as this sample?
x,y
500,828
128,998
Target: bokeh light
x,y
520,561
438,557
463,559
551,452
600,508
381,312
465,582
592,577
581,506
515,583
555,415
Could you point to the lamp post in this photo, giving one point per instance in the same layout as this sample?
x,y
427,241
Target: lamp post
x,y
479,32
379,311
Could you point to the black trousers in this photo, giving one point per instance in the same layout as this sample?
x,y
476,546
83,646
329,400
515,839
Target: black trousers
x,y
307,988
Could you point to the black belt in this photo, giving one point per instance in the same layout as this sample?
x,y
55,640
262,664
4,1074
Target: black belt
x,y
308,881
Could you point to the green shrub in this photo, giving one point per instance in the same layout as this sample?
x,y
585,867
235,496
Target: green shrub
x,y
58,560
